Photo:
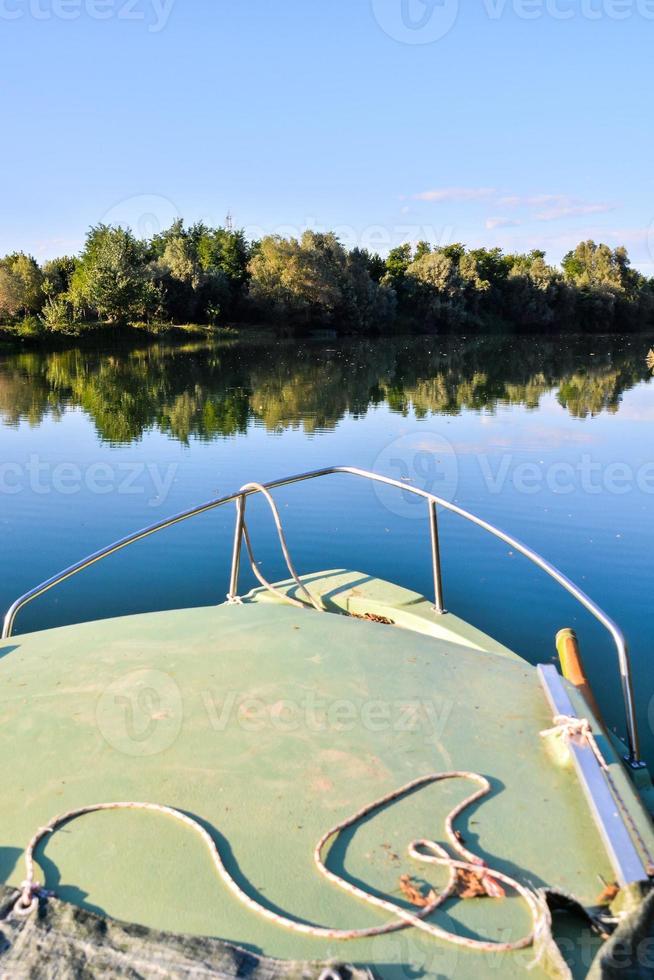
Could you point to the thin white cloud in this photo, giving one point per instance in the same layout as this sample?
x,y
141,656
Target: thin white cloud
x,y
537,207
456,194
631,237
556,206
572,211
531,201
493,223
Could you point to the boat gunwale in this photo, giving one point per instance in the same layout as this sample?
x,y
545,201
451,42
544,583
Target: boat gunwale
x,y
624,662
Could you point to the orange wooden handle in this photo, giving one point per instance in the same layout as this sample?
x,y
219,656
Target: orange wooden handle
x,y
572,665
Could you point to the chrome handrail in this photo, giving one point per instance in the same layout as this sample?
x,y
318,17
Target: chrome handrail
x,y
433,501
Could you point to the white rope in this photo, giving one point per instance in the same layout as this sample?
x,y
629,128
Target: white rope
x,y
233,600
567,727
425,851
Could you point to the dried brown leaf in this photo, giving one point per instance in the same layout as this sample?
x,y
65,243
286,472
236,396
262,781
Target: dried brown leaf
x,y
373,618
413,895
607,894
477,884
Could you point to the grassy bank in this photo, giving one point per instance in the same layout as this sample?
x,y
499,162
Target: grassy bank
x,y
32,332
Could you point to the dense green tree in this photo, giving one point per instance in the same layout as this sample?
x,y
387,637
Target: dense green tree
x,y
422,249
315,280
110,279
178,277
398,261
157,244
202,271
376,266
535,292
21,285
375,263
11,294
431,286
277,285
227,252
58,316
492,264
591,265
366,304
601,278
57,275
435,271
445,285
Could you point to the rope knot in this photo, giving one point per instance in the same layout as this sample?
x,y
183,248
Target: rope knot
x,y
566,725
28,900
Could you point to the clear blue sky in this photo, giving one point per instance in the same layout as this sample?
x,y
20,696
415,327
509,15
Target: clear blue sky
x,y
520,126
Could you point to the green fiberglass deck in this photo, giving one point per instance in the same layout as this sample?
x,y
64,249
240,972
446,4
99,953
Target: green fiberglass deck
x,y
272,723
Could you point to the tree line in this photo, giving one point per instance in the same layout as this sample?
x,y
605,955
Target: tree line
x,y
216,277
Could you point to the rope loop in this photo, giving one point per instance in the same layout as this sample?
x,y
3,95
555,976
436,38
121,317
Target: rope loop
x,y
28,900
567,727
425,851
311,601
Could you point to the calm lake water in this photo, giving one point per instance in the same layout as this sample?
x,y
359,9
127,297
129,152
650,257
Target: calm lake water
x,y
551,439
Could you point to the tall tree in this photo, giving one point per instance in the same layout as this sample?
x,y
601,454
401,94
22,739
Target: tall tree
x,y
110,278
57,275
21,285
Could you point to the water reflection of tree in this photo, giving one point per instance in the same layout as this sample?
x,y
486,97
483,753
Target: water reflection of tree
x,y
207,392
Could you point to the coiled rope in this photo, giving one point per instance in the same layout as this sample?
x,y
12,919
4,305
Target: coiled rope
x,y
426,851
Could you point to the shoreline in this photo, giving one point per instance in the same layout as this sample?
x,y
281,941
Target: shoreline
x,y
94,333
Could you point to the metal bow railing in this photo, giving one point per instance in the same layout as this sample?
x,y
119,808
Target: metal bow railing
x,y
432,502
